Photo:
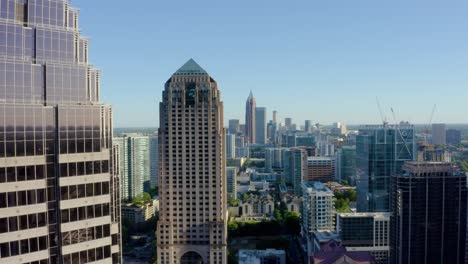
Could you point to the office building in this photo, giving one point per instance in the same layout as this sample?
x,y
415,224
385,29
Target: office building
x,y
250,124
428,222
137,214
439,134
295,168
318,210
453,136
234,126
346,164
275,117
134,164
365,232
154,159
230,146
57,176
267,256
381,151
260,125
231,175
320,169
192,226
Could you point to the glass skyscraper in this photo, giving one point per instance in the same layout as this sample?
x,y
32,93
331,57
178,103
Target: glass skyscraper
x,y
381,150
59,198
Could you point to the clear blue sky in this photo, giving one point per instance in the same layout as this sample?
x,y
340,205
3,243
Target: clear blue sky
x,y
321,60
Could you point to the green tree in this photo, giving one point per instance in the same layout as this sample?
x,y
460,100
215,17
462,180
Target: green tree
x,y
292,222
245,197
233,202
278,215
142,199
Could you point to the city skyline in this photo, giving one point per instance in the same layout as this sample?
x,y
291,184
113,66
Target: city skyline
x,y
336,58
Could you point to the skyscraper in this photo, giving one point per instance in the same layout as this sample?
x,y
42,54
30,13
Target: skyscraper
x,y
288,122
453,136
381,151
234,126
428,222
134,164
275,117
260,125
308,126
154,158
231,175
250,106
295,168
230,146
59,197
192,227
438,134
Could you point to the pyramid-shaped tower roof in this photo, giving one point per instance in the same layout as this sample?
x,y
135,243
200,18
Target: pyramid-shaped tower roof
x,y
190,67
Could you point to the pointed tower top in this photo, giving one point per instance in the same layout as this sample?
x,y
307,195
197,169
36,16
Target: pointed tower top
x,y
251,96
190,67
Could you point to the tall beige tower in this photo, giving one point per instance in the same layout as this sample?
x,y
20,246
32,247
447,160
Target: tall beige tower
x,y
192,185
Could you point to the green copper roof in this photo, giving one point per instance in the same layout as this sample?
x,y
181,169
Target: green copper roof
x,y
191,67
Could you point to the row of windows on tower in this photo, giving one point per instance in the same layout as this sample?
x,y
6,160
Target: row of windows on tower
x,y
85,212
84,190
21,198
22,222
85,234
24,246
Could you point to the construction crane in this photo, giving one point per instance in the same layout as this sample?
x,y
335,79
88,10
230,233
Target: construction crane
x,y
426,132
384,119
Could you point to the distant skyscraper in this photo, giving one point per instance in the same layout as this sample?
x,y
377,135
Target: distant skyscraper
x,y
295,168
428,221
59,196
260,125
275,117
230,146
453,136
380,152
134,165
288,122
234,126
154,159
438,134
192,227
308,126
231,175
250,119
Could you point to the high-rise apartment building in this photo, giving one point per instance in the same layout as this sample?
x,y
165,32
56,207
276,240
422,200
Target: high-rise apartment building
x,y
366,232
274,158
381,151
154,159
318,210
192,226
429,216
231,176
134,164
59,196
230,146
234,126
250,106
260,125
295,168
439,134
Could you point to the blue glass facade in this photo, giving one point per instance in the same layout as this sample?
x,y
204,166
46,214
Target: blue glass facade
x,y
380,153
55,140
